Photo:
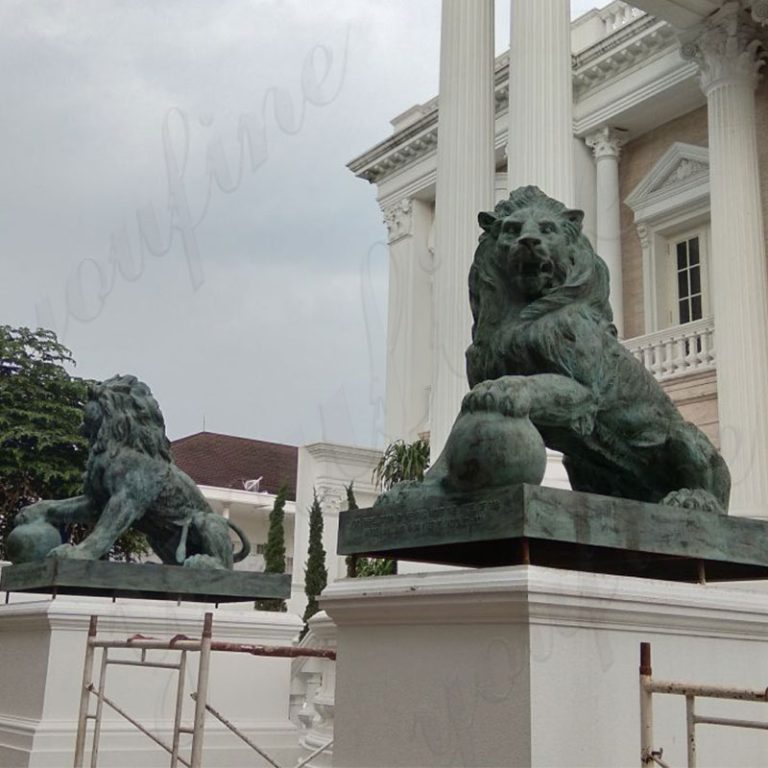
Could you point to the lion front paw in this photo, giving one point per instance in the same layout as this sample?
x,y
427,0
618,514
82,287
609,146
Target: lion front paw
x,y
508,396
693,498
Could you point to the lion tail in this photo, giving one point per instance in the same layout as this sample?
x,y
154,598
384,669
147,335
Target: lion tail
x,y
246,548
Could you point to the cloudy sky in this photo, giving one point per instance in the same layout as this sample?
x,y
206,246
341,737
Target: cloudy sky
x,y
175,202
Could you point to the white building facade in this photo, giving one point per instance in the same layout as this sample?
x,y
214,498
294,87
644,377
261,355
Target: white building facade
x,y
648,119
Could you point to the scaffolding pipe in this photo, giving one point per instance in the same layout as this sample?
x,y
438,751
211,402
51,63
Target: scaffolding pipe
x,y
320,749
182,667
278,651
99,709
82,718
238,733
202,692
135,723
646,706
649,686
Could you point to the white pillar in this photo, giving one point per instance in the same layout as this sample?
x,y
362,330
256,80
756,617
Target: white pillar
x,y
606,145
540,143
409,325
726,51
465,171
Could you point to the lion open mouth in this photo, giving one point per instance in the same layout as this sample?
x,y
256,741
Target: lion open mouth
x,y
532,273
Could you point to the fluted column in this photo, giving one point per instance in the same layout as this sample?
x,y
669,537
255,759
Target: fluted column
x,y
606,145
409,326
727,52
540,143
465,173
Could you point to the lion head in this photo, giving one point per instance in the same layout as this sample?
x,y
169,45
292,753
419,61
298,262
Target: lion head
x,y
122,413
531,262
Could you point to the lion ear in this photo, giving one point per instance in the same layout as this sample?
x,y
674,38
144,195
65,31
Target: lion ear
x,y
574,215
486,220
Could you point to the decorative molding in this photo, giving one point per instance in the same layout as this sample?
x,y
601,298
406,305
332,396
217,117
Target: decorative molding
x,y
643,234
681,72
679,178
613,55
605,142
399,219
728,47
621,51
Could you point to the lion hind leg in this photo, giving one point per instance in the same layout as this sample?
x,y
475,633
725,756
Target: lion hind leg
x,y
702,479
209,545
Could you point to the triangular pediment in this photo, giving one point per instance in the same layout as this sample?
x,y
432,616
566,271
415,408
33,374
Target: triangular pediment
x,y
680,174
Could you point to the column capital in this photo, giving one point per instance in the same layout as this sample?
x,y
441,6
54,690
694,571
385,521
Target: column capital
x,y
605,142
728,48
399,219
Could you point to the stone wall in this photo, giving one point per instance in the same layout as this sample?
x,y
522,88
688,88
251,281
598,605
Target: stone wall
x,y
696,398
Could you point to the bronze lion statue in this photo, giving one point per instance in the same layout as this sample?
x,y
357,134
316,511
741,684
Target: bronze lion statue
x,y
544,352
130,481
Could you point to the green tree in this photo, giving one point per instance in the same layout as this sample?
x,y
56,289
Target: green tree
x,y
316,574
274,551
42,452
402,462
352,561
366,566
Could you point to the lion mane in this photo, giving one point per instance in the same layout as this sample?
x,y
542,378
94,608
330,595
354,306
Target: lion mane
x,y
576,303
130,418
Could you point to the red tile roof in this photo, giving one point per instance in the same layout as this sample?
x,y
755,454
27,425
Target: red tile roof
x,y
227,462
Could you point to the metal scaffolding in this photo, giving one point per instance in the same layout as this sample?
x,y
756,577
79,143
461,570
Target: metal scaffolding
x,y
649,686
205,645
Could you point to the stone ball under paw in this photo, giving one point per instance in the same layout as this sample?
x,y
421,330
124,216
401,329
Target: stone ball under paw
x,y
31,541
488,450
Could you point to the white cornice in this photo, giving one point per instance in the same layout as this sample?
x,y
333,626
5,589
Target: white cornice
x,y
546,596
348,454
626,48
156,617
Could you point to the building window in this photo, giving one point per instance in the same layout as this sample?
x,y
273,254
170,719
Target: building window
x,y
687,269
260,548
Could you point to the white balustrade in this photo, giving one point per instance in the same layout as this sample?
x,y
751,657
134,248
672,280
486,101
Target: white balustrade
x,y
313,685
617,15
678,351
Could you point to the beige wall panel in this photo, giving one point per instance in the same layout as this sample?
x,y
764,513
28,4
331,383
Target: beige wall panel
x,y
696,399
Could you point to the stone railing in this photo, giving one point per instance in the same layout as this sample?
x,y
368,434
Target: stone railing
x,y
313,686
617,15
678,351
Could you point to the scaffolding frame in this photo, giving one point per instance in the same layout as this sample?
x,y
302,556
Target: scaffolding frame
x,y
691,691
184,645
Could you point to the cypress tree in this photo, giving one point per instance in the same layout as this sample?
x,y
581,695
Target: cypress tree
x,y
316,574
352,560
274,551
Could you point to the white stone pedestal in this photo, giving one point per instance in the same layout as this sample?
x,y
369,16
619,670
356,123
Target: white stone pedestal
x,y
42,645
529,666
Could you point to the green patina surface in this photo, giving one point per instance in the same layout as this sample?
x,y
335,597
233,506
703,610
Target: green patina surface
x,y
545,368
560,528
130,481
146,581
